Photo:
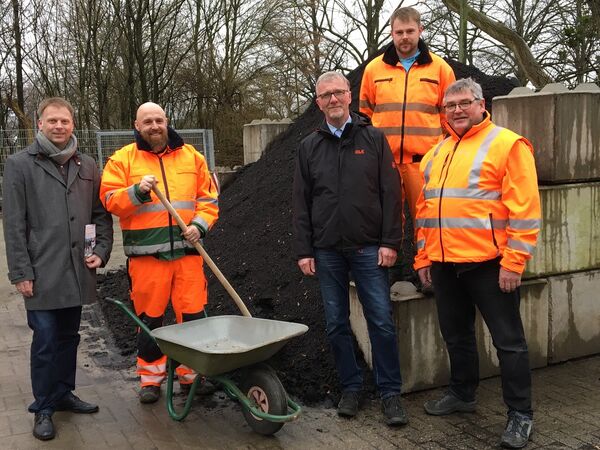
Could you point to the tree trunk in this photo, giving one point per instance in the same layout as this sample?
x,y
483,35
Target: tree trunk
x,y
18,67
523,56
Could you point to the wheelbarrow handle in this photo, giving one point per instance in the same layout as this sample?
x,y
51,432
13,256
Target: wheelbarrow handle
x,y
238,301
131,314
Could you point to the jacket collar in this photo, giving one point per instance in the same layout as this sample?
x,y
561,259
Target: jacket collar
x,y
51,168
174,141
358,120
487,121
391,57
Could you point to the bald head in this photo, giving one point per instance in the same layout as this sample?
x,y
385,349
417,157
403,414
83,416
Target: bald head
x,y
151,123
149,107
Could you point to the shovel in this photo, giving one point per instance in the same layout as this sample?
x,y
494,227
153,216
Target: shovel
x,y
238,301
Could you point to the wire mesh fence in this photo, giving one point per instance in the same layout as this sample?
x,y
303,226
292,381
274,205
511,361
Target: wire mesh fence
x,y
101,144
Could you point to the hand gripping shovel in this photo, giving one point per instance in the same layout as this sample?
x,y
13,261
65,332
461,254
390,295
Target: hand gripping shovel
x,y
238,301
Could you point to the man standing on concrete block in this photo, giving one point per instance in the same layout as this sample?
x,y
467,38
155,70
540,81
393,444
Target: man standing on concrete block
x,y
478,218
162,262
50,207
346,218
402,92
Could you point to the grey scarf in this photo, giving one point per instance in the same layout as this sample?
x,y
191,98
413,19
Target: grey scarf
x,y
52,151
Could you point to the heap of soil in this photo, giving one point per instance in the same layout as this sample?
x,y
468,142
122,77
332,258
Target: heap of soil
x,y
252,245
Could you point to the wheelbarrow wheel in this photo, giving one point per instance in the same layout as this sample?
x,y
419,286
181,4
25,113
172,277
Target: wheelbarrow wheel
x,y
262,386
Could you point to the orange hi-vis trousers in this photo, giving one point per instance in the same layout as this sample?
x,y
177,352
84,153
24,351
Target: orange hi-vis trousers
x,y
153,283
412,185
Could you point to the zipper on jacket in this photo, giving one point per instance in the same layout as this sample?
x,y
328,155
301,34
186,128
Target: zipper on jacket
x,y
340,160
442,194
493,232
403,116
443,167
164,176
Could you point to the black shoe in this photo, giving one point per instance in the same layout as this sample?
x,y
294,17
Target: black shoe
x,y
448,404
149,394
427,289
517,432
43,428
348,405
205,388
394,411
70,402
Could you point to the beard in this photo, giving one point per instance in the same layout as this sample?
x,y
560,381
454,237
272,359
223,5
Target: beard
x,y
157,141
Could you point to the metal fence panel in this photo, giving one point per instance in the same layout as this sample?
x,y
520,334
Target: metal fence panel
x,y
101,144
110,141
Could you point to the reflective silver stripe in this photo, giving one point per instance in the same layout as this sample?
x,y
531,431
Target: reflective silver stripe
x,y
430,162
416,131
484,148
397,107
153,249
475,193
521,246
524,224
420,244
187,377
154,368
158,207
208,200
108,195
200,221
152,378
366,104
131,193
451,222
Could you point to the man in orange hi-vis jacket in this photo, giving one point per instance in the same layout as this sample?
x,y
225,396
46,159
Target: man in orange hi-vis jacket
x,y
478,218
401,91
162,262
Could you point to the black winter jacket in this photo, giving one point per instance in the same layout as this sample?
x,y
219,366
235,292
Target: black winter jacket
x,y
346,191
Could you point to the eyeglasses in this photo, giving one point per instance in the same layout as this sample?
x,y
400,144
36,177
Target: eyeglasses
x,y
339,94
465,104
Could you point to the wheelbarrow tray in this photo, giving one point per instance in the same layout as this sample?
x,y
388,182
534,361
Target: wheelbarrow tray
x,y
220,344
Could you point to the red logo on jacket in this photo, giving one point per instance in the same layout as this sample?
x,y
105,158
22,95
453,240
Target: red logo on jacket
x,y
359,151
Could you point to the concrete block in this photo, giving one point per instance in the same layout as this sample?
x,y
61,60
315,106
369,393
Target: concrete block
x,y
575,315
568,239
258,134
563,127
423,357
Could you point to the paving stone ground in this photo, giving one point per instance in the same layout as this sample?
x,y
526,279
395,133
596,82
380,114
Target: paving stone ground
x,y
566,402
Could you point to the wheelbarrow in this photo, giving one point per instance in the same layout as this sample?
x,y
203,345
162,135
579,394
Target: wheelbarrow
x,y
214,346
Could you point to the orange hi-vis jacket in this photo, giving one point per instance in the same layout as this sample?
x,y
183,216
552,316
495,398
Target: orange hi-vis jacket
x,y
480,199
406,106
183,177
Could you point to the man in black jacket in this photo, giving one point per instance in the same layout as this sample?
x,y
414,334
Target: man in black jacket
x,y
347,218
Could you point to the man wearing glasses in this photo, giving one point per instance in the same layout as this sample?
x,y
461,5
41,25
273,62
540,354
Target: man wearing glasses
x,y
478,218
402,91
346,209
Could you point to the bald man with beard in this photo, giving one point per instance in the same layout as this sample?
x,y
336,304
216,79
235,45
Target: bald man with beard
x,y
162,262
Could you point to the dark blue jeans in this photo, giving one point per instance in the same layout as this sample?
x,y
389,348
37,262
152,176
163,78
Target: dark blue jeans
x,y
459,289
371,280
53,355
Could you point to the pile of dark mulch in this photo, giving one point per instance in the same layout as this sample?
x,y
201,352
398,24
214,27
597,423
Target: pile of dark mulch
x,y
252,245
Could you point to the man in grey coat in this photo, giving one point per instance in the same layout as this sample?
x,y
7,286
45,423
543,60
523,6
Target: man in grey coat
x,y
50,197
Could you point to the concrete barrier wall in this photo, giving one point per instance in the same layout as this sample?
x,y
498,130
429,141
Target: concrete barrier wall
x,y
258,134
568,239
423,356
574,315
562,125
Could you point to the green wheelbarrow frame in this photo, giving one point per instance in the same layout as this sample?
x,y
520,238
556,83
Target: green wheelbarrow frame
x,y
229,387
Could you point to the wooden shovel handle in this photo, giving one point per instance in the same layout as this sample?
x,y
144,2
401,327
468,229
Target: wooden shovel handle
x,y
234,295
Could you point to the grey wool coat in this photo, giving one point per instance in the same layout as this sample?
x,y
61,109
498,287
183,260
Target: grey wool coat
x,y
44,227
